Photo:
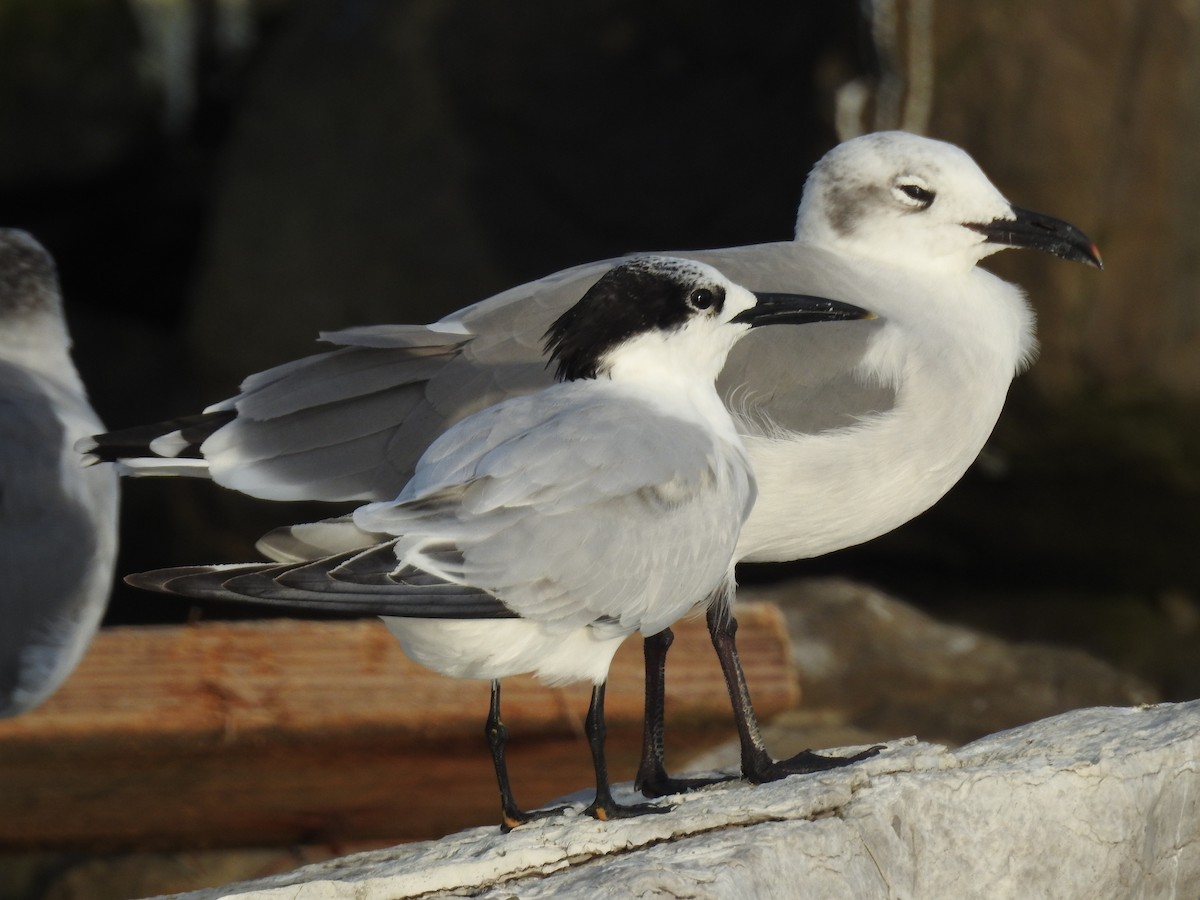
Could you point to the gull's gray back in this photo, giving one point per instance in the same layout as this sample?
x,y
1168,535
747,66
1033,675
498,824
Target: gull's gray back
x,y
351,423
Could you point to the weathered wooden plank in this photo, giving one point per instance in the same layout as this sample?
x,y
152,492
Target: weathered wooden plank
x,y
283,731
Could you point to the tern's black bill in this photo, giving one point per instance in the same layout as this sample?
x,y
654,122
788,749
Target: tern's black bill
x,y
1041,232
798,309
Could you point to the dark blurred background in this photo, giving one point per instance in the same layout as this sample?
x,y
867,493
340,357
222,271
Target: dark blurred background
x,y
222,179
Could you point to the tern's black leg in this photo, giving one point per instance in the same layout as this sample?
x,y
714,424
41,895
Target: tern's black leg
x,y
652,770
511,815
604,807
652,778
757,765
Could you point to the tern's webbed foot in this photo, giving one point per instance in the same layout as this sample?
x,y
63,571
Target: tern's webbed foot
x,y
515,818
610,809
803,763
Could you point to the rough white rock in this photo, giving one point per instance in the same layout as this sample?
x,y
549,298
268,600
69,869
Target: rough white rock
x,y
1094,803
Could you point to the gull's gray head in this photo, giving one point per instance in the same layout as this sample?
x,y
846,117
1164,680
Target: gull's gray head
x,y
31,319
679,313
28,281
902,198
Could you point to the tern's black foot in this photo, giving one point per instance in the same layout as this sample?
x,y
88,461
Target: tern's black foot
x,y
610,809
803,763
515,818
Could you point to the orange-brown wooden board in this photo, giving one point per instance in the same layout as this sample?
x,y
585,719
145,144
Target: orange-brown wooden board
x,y
273,732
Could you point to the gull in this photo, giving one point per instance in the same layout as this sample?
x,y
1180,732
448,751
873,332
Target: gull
x,y
539,533
58,521
852,428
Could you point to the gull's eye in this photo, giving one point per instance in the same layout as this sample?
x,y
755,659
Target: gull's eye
x,y
701,298
913,193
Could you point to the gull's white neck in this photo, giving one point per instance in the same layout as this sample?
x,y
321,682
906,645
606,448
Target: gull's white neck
x,y
39,343
950,346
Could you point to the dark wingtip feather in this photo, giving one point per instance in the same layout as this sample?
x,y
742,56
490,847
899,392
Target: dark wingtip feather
x,y
132,443
309,588
192,581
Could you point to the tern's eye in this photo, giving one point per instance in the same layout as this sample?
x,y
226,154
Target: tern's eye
x,y
701,298
912,192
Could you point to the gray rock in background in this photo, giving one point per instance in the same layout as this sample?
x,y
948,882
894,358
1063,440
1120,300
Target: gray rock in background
x,y
872,667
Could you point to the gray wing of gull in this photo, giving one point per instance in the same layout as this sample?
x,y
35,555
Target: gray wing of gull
x,y
351,423
801,378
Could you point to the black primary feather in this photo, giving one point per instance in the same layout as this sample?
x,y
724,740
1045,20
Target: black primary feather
x,y
113,446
